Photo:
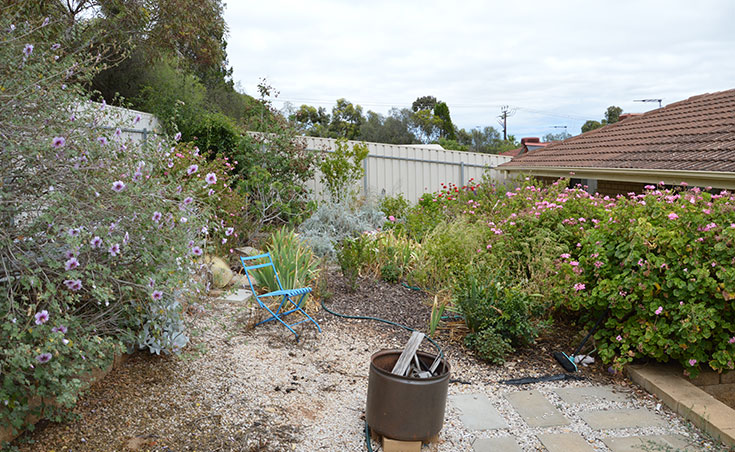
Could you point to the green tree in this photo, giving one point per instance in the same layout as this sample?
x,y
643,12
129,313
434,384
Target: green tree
x,y
311,120
612,115
561,136
393,129
424,103
446,128
346,120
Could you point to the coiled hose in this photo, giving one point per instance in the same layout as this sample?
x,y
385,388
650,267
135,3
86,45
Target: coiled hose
x,y
377,319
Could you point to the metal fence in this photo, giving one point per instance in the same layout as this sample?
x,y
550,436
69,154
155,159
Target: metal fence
x,y
134,125
413,170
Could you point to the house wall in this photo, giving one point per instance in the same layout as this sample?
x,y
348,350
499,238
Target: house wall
x,y
613,188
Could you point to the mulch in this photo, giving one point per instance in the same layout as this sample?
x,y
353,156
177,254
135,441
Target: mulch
x,y
412,308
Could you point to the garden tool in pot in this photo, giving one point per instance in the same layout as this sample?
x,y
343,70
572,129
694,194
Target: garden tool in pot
x,y
569,363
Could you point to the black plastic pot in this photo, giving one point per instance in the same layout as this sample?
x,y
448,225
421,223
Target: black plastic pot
x,y
403,408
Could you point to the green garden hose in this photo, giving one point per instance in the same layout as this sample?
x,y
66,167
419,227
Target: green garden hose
x,y
377,319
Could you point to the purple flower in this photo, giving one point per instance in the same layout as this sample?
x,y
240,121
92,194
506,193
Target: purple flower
x,y
211,178
136,119
71,264
619,338
211,192
137,175
579,286
56,47
177,137
45,22
565,256
118,132
96,242
118,186
157,295
391,218
74,232
229,231
69,254
73,284
673,216
114,250
197,251
659,310
151,282
102,140
61,328
156,216
27,50
188,200
192,169
44,358
732,340
692,362
41,317
126,238
58,142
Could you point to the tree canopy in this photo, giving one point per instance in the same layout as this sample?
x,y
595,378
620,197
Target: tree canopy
x,y
612,115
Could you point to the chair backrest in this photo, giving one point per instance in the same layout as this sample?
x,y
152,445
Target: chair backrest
x,y
249,264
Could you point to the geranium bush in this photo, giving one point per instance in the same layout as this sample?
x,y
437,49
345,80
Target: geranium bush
x,y
100,236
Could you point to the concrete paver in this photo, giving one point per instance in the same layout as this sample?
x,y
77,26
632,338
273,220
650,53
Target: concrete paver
x,y
477,413
591,394
564,442
503,443
239,295
612,419
535,409
647,443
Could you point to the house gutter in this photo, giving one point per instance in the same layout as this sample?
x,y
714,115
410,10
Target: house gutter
x,y
717,179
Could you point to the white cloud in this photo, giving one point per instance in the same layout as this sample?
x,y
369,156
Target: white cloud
x,y
559,62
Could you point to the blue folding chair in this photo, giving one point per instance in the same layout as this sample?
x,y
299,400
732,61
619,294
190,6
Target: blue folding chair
x,y
284,308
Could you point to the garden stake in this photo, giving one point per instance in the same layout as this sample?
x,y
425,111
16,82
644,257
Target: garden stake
x,y
566,361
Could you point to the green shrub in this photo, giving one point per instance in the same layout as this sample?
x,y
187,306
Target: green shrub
x,y
342,168
499,317
295,262
215,133
396,206
352,255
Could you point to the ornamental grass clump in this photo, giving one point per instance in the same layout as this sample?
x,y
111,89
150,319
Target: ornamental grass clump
x,y
100,236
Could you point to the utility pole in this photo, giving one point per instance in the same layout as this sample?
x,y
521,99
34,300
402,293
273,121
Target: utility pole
x,y
505,111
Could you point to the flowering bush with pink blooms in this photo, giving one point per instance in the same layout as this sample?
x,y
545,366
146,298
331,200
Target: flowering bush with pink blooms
x,y
662,260
101,237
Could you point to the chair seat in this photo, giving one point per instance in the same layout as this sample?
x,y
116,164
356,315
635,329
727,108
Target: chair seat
x,y
288,292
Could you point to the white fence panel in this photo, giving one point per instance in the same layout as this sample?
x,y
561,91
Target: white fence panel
x,y
412,170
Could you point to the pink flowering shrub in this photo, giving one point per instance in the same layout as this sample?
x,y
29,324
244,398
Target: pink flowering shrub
x,y
100,237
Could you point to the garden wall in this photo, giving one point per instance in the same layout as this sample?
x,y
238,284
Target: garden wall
x,y
413,170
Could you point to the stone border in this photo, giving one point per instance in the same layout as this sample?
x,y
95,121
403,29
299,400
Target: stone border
x,y
689,401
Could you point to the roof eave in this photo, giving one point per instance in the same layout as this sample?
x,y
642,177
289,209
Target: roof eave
x,y
719,179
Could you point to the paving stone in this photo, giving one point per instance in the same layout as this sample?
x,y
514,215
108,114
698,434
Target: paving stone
x,y
611,419
477,413
535,409
564,442
501,444
647,443
592,394
239,295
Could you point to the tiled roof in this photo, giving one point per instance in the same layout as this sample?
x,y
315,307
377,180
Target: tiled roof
x,y
697,134
512,152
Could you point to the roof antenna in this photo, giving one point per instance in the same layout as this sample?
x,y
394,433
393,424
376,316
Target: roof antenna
x,y
650,100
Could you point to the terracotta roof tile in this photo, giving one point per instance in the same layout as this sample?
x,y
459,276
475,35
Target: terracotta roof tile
x,y
697,134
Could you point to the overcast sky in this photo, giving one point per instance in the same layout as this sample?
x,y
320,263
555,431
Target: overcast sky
x,y
555,63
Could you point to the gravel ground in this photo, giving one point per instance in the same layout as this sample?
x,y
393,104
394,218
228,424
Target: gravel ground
x,y
240,388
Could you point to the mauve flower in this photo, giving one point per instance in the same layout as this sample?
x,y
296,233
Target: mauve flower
x,y
211,178
188,200
137,176
659,310
732,340
74,232
73,284
71,264
45,22
27,50
211,192
118,186
102,140
55,47
619,338
192,169
96,242
61,328
58,142
157,295
579,286
41,317
114,250
229,231
156,216
197,251
44,358
177,137
136,119
565,255
692,362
